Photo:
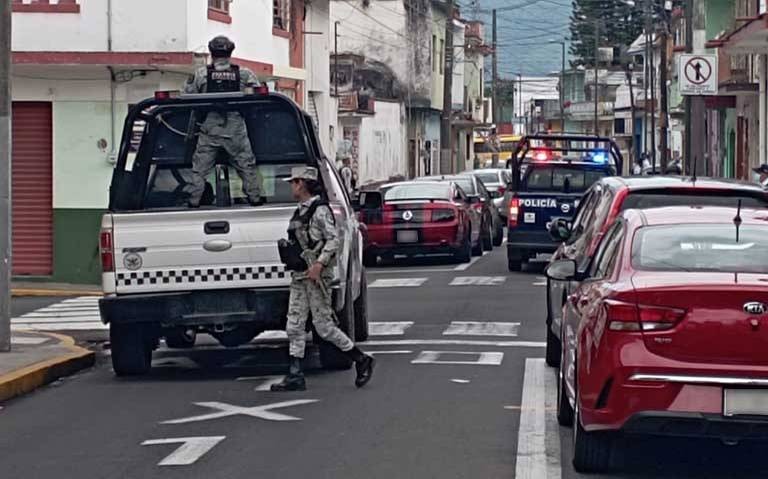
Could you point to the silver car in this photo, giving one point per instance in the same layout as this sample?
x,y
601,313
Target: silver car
x,y
496,181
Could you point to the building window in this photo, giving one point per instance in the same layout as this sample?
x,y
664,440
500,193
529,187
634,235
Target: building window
x,y
434,53
442,52
281,14
218,10
619,126
46,6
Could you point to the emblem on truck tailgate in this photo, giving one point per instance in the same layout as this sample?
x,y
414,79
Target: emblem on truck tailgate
x,y
132,261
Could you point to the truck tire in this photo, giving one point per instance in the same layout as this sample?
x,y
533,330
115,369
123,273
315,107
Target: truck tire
x,y
131,349
514,264
361,311
332,357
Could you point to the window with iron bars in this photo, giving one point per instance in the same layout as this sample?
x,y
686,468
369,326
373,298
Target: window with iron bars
x,y
219,5
281,14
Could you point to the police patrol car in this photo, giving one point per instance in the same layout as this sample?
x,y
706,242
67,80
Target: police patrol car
x,y
549,175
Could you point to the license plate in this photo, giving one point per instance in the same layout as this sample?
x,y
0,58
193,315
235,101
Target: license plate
x,y
407,236
737,402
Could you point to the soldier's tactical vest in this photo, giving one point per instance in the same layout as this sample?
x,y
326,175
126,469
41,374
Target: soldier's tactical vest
x,y
299,239
223,81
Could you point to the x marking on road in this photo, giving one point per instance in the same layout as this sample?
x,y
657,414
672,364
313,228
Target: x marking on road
x,y
225,410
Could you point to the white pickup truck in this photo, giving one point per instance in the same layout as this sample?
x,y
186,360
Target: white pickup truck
x,y
172,271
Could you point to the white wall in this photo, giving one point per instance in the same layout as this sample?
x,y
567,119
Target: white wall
x,y
85,31
318,46
459,64
145,25
382,143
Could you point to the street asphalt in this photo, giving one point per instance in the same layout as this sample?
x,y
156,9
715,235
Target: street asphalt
x,y
454,395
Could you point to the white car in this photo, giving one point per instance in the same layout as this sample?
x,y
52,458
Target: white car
x,y
171,271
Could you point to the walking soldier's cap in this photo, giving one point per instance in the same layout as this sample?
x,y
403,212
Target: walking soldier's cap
x,y
303,173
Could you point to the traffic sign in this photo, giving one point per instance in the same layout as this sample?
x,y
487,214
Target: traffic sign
x,y
698,74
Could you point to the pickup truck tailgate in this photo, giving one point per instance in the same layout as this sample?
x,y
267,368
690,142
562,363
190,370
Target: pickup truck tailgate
x,y
199,249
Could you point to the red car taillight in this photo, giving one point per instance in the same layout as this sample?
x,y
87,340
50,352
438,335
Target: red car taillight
x,y
443,215
629,317
106,248
514,212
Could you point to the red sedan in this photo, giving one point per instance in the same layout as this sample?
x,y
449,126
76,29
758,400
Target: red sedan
x,y
416,218
667,333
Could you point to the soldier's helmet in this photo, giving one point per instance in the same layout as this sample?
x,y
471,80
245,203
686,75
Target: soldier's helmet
x,y
221,47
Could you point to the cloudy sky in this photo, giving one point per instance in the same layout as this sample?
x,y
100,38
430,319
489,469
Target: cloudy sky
x,y
525,28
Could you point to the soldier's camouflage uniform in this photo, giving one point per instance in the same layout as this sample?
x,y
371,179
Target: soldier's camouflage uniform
x,y
310,296
223,132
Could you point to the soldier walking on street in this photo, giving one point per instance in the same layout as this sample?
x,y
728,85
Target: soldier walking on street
x,y
223,130
313,228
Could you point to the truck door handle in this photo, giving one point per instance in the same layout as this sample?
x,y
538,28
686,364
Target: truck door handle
x,y
216,227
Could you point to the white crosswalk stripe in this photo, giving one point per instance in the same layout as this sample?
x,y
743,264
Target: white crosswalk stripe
x,y
71,314
479,328
398,283
388,328
478,280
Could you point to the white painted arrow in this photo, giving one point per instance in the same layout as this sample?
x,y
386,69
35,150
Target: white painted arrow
x,y
225,410
191,449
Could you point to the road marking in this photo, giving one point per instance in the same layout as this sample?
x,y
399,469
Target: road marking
x,y
474,359
71,314
191,449
411,271
460,381
25,340
388,328
225,410
478,328
478,280
456,342
398,283
540,281
266,381
466,266
401,351
272,335
534,461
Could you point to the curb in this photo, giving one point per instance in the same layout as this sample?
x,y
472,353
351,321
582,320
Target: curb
x,y
63,293
39,374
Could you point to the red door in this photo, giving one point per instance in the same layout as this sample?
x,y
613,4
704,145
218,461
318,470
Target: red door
x,y
32,189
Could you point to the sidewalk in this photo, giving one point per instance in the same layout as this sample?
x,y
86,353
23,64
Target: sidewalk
x,y
29,288
37,359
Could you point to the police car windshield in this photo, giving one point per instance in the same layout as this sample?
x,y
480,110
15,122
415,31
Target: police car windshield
x,y
561,178
218,156
711,248
417,191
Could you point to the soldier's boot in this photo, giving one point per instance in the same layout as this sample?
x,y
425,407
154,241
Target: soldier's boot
x,y
294,381
363,365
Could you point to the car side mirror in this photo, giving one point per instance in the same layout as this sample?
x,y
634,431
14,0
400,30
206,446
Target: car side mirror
x,y
560,230
474,200
562,270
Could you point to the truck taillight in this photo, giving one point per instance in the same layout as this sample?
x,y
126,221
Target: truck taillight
x,y
106,248
514,212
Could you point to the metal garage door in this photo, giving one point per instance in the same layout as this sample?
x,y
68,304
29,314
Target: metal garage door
x,y
32,193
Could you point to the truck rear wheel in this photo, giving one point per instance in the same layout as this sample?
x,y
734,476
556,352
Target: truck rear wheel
x,y
131,349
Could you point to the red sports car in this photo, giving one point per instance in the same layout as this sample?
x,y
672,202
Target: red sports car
x,y
411,218
667,333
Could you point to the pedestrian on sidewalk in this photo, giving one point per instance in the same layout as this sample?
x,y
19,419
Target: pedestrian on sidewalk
x,y
347,175
313,228
761,175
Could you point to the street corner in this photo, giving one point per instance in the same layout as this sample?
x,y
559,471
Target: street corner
x,y
37,359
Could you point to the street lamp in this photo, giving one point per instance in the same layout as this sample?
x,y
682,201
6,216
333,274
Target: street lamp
x,y
562,87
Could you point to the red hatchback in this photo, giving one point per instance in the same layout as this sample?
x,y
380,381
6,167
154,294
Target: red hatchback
x,y
667,333
418,218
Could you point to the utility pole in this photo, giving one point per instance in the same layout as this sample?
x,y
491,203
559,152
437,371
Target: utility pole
x,y
446,133
631,79
5,176
495,71
664,120
597,84
562,93
688,144
336,59
653,100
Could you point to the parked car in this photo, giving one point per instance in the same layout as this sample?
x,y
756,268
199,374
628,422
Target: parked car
x,y
420,218
666,334
491,225
172,271
495,182
604,201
